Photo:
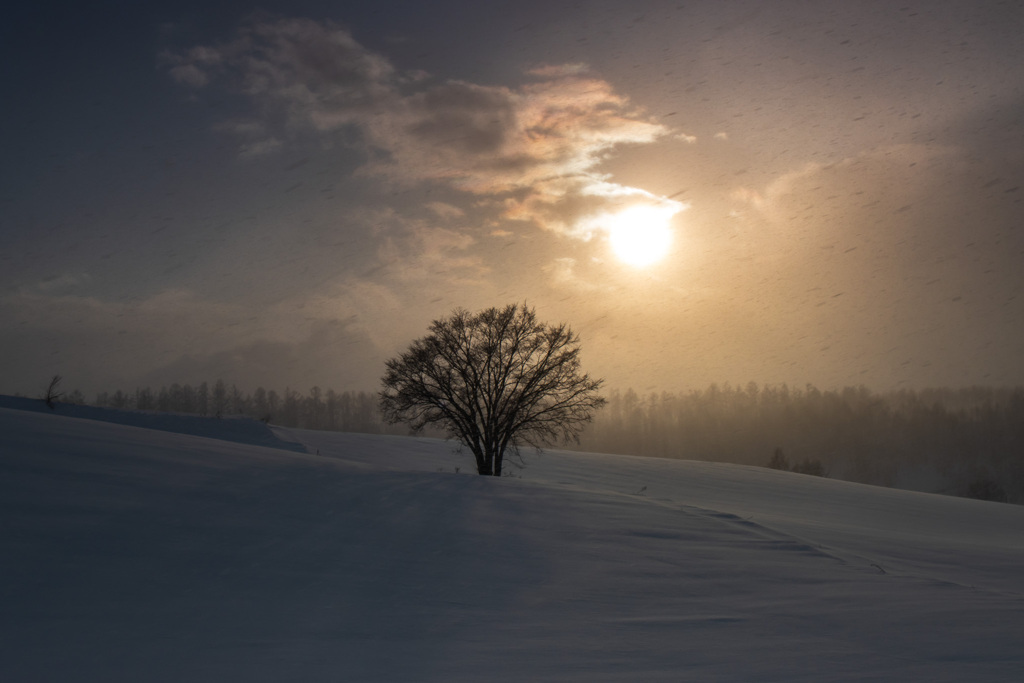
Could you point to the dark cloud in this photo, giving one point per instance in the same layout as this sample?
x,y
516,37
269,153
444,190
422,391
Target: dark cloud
x,y
464,117
316,73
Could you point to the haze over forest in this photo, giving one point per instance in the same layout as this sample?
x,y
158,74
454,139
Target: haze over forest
x,y
965,442
818,193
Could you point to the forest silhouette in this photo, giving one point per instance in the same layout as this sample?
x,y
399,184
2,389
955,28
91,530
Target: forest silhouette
x,y
966,442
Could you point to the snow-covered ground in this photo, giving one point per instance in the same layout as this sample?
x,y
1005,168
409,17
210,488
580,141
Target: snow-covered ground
x,y
131,554
234,428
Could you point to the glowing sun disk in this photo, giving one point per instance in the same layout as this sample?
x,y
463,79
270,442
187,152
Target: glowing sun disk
x,y
641,235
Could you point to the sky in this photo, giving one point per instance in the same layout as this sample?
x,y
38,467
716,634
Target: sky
x,y
287,194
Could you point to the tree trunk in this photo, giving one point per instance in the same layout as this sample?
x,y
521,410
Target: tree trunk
x,y
497,455
483,463
489,463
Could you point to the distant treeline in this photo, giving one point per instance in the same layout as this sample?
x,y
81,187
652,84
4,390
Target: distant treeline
x,y
344,412
964,441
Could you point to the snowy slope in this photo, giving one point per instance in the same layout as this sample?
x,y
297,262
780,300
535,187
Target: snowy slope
x,y
233,428
129,554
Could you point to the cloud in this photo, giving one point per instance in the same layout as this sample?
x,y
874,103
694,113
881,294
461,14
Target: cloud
x,y
64,282
189,74
537,145
462,118
559,70
578,206
418,254
490,140
259,147
193,67
446,211
565,274
302,73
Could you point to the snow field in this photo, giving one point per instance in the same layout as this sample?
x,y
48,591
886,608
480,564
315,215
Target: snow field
x,y
130,554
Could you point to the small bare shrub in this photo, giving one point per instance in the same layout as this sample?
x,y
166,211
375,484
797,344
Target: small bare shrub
x,y
51,392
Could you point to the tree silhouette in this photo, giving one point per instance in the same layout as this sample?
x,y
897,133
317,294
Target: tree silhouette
x,y
494,380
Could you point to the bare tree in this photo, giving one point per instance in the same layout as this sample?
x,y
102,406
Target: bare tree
x,y
494,380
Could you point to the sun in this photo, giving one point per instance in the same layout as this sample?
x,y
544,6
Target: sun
x,y
642,234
